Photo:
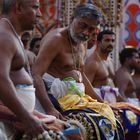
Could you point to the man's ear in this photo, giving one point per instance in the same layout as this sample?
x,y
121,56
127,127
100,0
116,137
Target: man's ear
x,y
19,8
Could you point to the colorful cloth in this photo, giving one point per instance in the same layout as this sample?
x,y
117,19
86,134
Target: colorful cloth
x,y
76,102
71,95
73,102
97,127
130,116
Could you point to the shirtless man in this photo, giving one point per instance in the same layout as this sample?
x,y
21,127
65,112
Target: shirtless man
x,y
62,54
99,67
16,85
136,78
129,58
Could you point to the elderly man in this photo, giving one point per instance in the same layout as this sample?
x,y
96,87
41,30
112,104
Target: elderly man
x,y
62,55
17,93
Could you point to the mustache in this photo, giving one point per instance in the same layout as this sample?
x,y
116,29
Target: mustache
x,y
110,46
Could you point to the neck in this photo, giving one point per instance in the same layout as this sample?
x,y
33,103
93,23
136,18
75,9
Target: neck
x,y
126,67
6,20
102,55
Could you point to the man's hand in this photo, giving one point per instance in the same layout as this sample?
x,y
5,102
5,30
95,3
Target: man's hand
x,y
33,127
55,113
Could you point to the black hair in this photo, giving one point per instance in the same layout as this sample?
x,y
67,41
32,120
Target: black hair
x,y
87,10
126,53
33,41
8,4
104,32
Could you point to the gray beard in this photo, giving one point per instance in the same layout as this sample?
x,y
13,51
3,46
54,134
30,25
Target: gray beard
x,y
73,36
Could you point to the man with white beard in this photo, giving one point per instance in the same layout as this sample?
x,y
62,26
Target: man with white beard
x,y
62,56
60,62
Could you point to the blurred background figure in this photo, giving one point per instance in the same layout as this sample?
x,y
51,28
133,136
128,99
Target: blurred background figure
x,y
129,58
35,45
25,37
136,78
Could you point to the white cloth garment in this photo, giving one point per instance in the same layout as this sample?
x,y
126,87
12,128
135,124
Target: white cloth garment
x,y
108,93
134,101
60,88
26,94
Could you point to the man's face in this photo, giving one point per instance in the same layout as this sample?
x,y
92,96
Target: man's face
x,y
30,14
36,47
107,43
135,60
82,29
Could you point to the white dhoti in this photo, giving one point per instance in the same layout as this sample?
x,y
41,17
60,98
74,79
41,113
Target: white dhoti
x,y
26,95
107,93
134,101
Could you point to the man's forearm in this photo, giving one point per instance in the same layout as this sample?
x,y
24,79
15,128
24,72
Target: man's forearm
x,y
89,89
42,95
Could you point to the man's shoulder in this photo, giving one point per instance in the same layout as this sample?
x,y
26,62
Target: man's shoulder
x,y
121,73
55,32
6,38
55,37
91,63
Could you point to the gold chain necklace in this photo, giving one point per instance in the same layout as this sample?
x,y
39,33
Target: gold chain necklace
x,y
21,44
76,58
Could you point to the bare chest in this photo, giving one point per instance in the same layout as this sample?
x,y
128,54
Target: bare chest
x,y
71,59
19,60
131,86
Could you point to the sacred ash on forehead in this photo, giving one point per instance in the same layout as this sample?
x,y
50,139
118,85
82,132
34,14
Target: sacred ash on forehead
x,y
87,10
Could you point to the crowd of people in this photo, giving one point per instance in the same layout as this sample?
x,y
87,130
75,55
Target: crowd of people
x,y
54,88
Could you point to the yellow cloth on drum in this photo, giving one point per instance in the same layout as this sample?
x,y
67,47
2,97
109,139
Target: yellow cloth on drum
x,y
72,101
